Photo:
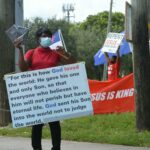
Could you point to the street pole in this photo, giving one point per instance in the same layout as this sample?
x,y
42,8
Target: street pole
x,y
148,4
110,17
108,30
141,63
19,22
7,19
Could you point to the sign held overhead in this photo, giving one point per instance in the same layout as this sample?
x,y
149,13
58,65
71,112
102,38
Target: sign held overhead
x,y
112,42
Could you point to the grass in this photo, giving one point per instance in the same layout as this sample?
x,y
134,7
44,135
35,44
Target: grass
x,y
112,128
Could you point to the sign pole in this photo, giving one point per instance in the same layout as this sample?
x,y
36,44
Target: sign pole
x,y
108,30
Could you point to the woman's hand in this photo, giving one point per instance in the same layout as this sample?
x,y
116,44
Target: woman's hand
x,y
66,58
60,50
18,43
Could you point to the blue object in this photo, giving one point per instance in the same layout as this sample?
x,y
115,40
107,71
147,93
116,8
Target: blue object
x,y
99,58
55,37
56,40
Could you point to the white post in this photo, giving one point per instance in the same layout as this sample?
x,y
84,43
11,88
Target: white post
x,y
61,37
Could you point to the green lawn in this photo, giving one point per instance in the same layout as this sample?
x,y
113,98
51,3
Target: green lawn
x,y
112,128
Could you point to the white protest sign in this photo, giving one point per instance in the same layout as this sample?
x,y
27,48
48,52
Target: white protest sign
x,y
48,95
112,42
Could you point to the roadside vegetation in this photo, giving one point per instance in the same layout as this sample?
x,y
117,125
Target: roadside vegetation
x,y
83,38
111,128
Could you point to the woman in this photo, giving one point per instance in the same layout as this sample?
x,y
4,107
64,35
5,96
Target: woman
x,y
113,66
39,58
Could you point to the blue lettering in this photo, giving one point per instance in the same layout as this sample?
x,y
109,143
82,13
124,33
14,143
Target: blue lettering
x,y
55,70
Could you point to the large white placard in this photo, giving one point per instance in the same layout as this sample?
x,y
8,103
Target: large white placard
x,y
48,95
112,42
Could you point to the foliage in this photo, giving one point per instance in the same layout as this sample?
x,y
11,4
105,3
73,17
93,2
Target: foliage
x,y
126,65
33,25
99,22
87,44
53,25
91,36
83,39
110,128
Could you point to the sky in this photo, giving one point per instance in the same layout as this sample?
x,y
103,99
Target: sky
x,y
83,8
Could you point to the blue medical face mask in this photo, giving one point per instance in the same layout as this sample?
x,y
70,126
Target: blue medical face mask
x,y
45,42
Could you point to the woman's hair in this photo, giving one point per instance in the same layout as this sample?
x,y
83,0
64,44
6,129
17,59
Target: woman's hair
x,y
114,57
40,31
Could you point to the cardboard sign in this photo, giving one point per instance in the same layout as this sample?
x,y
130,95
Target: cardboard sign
x,y
17,33
48,95
112,42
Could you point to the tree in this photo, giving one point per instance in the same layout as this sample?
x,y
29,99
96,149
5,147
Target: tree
x,y
91,35
126,65
53,25
99,22
33,25
7,12
141,63
87,43
82,39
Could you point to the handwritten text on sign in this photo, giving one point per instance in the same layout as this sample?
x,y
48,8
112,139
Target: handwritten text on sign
x,y
112,42
47,95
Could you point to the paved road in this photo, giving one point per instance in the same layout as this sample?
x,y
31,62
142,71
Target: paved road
x,y
18,143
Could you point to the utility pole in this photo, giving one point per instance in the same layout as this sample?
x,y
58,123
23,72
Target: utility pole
x,y
108,30
148,4
141,63
19,22
68,10
110,17
7,19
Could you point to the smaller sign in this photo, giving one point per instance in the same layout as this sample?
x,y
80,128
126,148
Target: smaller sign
x,y
112,42
17,33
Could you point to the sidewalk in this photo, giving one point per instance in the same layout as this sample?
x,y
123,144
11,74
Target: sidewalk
x,y
19,143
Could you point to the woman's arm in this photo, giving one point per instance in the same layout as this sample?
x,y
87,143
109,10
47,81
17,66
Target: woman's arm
x,y
23,64
118,55
107,57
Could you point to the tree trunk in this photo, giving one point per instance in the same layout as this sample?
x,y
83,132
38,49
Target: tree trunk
x,y
141,63
7,19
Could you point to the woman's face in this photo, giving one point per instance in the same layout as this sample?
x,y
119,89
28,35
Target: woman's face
x,y
45,40
113,59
